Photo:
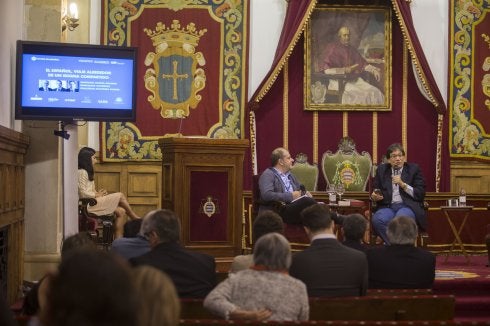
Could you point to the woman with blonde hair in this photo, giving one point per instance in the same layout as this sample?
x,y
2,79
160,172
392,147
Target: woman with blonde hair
x,y
158,300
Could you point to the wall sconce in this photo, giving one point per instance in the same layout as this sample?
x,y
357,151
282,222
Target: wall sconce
x,y
70,20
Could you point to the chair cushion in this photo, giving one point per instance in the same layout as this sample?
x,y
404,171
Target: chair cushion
x,y
306,173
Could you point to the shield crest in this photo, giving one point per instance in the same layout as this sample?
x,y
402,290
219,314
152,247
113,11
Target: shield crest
x,y
175,76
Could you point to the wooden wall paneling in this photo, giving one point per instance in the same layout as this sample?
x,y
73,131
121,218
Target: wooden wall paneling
x,y
13,147
3,185
109,177
15,261
144,187
473,176
139,181
167,181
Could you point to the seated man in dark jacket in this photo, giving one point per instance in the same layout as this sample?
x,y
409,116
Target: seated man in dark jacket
x,y
401,265
328,268
354,228
193,273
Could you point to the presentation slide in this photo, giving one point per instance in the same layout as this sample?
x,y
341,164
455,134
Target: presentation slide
x,y
77,82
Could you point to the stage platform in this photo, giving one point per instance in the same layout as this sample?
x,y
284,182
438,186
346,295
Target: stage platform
x,y
469,282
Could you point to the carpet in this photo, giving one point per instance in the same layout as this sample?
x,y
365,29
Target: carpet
x,y
469,282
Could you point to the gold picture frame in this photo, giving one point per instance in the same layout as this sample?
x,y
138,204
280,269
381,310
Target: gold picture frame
x,y
348,59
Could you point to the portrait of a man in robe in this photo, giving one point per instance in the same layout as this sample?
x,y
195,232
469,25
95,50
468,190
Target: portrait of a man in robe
x,y
348,64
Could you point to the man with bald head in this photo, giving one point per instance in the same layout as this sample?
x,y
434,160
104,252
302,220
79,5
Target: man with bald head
x,y
278,185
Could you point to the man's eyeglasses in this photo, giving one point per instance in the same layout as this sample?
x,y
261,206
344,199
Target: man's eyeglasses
x,y
396,155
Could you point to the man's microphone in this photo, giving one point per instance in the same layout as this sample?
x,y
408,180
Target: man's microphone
x,y
396,172
302,189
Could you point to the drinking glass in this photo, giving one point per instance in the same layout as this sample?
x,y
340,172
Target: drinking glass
x,y
340,190
332,199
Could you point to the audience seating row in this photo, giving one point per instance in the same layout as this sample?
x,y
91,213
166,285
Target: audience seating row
x,y
221,276
186,322
393,308
373,308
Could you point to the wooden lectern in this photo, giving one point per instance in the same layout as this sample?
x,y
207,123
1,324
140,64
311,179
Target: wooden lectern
x,y
202,182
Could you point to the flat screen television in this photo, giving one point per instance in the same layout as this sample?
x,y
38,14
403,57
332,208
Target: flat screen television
x,y
75,82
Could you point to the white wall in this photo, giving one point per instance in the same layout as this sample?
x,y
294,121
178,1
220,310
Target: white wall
x,y
11,27
430,19
266,19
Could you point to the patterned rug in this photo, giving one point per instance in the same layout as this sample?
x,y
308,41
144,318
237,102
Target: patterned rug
x,y
469,282
458,267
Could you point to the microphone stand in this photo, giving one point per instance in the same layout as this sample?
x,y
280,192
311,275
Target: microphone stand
x,y
370,201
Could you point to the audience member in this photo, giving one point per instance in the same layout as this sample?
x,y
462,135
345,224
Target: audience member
x,y
91,287
158,303
35,300
132,244
401,265
265,291
77,241
193,273
265,222
132,228
399,190
328,268
353,228
106,203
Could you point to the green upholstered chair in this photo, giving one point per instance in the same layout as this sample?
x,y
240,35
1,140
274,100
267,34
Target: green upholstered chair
x,y
306,173
347,166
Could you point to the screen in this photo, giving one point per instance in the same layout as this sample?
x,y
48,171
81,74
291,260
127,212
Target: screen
x,y
65,81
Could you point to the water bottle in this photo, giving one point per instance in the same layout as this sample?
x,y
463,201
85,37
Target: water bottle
x,y
462,197
332,196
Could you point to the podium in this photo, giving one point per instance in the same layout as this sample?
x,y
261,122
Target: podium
x,y
202,182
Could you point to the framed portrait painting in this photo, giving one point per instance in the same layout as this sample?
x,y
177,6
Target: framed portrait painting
x,y
348,59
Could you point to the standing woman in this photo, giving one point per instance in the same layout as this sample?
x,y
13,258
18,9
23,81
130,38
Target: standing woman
x,y
106,203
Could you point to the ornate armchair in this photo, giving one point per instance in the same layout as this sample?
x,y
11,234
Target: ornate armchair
x,y
100,228
353,170
347,166
306,173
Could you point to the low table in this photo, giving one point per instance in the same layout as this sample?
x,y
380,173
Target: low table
x,y
448,210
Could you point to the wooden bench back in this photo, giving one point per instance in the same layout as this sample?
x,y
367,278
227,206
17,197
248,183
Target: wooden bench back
x,y
384,307
186,322
409,307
